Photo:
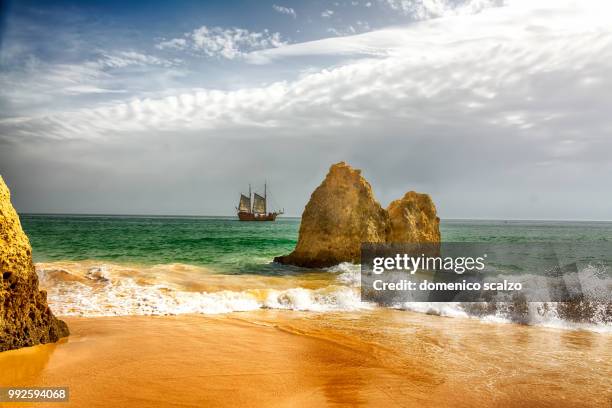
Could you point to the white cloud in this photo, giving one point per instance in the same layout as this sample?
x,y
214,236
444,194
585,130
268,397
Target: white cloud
x,y
513,100
363,25
177,43
285,10
379,43
426,9
349,30
40,83
89,89
494,70
524,22
124,59
228,43
360,26
327,13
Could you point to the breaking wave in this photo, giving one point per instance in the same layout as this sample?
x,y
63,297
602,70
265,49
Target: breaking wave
x,y
111,290
591,309
94,289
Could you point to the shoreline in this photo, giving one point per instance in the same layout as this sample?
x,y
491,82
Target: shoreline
x,y
287,358
93,288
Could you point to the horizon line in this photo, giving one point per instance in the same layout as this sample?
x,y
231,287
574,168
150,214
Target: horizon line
x,y
293,216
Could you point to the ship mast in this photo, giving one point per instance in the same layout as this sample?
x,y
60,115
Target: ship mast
x,y
265,199
250,201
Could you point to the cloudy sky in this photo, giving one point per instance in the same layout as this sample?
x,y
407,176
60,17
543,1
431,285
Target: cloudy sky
x,y
498,109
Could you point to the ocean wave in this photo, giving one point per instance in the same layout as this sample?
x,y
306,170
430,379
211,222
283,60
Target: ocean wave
x,y
112,290
591,309
90,288
347,273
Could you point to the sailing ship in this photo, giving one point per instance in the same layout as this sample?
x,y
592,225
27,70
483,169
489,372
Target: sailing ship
x,y
259,210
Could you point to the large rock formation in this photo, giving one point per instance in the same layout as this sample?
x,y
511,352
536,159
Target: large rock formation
x,y
342,214
25,317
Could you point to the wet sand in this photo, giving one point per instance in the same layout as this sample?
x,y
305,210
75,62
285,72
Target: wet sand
x,y
274,358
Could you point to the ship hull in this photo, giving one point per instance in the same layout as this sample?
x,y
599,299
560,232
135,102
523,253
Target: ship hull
x,y
246,216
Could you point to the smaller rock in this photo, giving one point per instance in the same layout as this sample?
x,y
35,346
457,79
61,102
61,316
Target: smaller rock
x,y
413,219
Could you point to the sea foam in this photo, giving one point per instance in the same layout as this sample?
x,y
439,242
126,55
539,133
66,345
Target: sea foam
x,y
590,310
110,290
103,289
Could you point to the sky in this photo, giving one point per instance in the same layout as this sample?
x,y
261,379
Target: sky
x,y
499,109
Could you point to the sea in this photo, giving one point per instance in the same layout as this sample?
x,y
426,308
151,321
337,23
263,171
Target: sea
x,y
99,265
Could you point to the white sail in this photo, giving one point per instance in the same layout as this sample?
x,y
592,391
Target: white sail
x,y
259,204
245,203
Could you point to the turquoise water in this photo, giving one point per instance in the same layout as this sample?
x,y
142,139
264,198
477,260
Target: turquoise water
x,y
238,247
135,265
224,243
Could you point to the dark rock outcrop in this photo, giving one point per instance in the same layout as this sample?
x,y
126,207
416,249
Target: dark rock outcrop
x,y
25,317
342,214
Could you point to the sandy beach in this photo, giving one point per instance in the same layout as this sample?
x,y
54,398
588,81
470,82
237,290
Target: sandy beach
x,y
287,359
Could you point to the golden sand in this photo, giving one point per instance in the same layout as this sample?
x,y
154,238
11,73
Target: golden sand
x,y
273,358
